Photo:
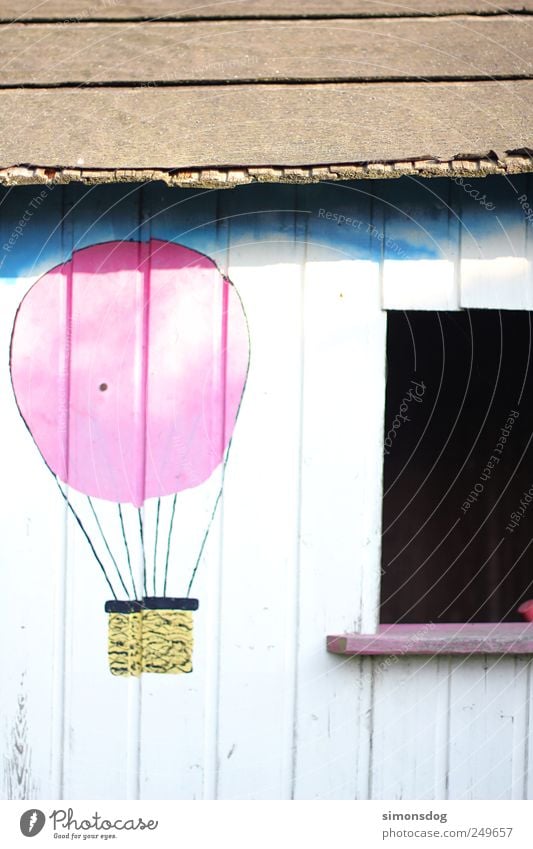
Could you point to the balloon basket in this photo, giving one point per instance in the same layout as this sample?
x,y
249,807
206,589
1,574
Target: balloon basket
x,y
124,637
155,635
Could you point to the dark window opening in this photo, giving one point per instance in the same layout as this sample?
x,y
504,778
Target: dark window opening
x,y
457,542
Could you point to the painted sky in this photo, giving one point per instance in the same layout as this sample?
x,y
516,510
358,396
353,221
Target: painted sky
x,y
406,219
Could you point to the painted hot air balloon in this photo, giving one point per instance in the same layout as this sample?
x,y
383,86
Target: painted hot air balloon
x,y
129,364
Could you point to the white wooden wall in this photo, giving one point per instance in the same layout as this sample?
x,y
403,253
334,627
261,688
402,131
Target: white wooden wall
x,y
295,550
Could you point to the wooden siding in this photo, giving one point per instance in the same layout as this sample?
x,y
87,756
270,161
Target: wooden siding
x,y
459,48
252,85
193,9
295,551
264,124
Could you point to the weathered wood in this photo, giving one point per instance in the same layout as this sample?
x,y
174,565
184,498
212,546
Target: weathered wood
x,y
495,271
18,777
63,10
264,125
116,725
32,521
490,638
341,493
410,718
442,48
489,727
421,278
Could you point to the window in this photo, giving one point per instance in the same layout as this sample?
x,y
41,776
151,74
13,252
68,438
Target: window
x,y
458,467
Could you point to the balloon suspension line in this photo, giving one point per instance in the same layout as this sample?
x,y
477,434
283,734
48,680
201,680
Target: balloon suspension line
x,y
211,520
141,531
107,547
127,550
225,463
204,540
168,542
86,535
155,543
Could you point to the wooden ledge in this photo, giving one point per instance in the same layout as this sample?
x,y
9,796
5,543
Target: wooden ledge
x,y
451,639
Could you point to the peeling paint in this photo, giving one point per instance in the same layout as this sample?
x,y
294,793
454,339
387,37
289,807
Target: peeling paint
x,y
512,162
18,779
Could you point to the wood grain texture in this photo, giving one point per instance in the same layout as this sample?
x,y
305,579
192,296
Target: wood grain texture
x,y
63,10
409,711
115,725
341,578
264,125
255,656
441,48
489,728
495,269
425,219
490,638
188,769
17,767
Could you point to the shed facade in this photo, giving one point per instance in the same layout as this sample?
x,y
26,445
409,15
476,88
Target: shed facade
x,y
294,512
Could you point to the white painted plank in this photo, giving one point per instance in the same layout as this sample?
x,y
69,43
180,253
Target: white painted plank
x,y
522,732
527,784
419,243
343,406
410,712
183,709
109,735
488,699
343,402
259,584
496,271
32,520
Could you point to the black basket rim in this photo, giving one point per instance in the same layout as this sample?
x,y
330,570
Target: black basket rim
x,y
151,603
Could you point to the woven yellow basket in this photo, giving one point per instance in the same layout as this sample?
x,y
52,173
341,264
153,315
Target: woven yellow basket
x,y
124,637
155,635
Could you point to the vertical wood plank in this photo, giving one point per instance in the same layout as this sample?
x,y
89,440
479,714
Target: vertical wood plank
x,y
32,520
342,414
101,747
526,791
260,557
487,728
496,272
183,709
410,709
420,243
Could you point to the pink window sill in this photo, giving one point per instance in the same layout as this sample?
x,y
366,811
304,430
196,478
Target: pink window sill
x,y
470,638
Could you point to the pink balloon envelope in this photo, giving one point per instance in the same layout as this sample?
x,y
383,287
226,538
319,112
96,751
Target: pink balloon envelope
x,y
129,363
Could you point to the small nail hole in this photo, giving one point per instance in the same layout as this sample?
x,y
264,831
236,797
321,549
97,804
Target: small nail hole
x,y
103,387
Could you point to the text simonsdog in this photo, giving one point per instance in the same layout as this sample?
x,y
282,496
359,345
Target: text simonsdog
x,y
427,815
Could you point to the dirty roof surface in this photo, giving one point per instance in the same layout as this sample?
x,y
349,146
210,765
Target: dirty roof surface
x,y
226,92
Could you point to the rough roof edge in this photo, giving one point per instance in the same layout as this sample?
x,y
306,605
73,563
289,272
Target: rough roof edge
x,y
146,10
516,162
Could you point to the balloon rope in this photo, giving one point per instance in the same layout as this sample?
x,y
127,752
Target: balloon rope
x,y
156,538
124,537
219,496
102,567
196,565
141,530
107,546
168,543
194,571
